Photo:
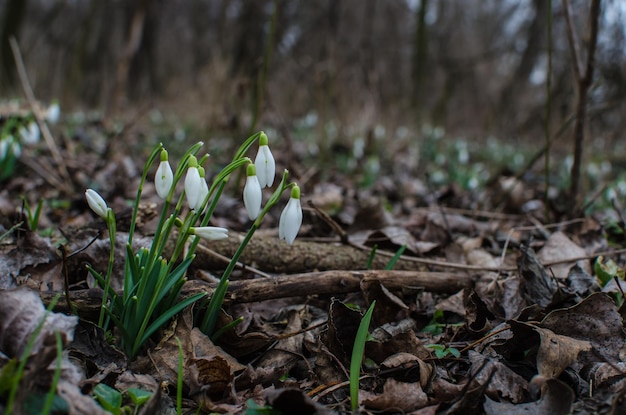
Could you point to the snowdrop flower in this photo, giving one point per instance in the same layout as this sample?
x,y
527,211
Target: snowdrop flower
x,y
9,146
252,196
193,183
204,190
210,232
164,177
264,162
30,134
96,203
53,113
291,218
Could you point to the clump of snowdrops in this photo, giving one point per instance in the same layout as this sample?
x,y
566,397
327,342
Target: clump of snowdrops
x,y
19,131
152,279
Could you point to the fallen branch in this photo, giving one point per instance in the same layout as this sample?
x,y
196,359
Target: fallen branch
x,y
296,285
272,255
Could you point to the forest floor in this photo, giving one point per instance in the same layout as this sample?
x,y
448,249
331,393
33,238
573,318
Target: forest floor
x,y
490,308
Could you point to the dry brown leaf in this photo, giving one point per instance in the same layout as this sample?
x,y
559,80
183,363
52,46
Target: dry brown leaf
x,y
343,323
538,285
21,310
477,315
77,402
294,401
556,399
503,382
388,304
408,360
559,247
606,375
396,397
129,380
595,319
31,258
557,352
281,358
209,375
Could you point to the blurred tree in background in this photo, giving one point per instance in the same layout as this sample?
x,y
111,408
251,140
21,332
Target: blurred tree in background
x,y
475,67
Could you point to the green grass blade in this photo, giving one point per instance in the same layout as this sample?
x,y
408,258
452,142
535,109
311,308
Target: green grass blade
x,y
370,258
357,356
55,378
395,258
163,318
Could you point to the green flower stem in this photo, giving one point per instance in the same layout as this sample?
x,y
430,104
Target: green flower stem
x,y
156,152
217,187
210,317
110,220
183,236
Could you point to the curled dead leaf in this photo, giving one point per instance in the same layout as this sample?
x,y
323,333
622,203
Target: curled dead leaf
x,y
210,375
557,352
407,360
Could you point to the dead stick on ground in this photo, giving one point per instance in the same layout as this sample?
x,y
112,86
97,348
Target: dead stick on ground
x,y
65,179
299,285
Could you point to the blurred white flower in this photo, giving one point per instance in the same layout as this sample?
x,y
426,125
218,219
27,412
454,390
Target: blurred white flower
x,y
30,134
53,113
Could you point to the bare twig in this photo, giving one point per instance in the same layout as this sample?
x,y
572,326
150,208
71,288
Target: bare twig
x,y
583,83
64,180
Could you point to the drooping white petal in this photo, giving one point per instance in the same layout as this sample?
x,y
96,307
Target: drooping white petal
x,y
252,197
210,232
265,166
290,221
204,192
96,203
163,179
193,186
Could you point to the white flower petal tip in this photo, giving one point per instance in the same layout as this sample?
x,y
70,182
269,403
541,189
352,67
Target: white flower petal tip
x,y
210,232
291,218
164,179
264,163
96,203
